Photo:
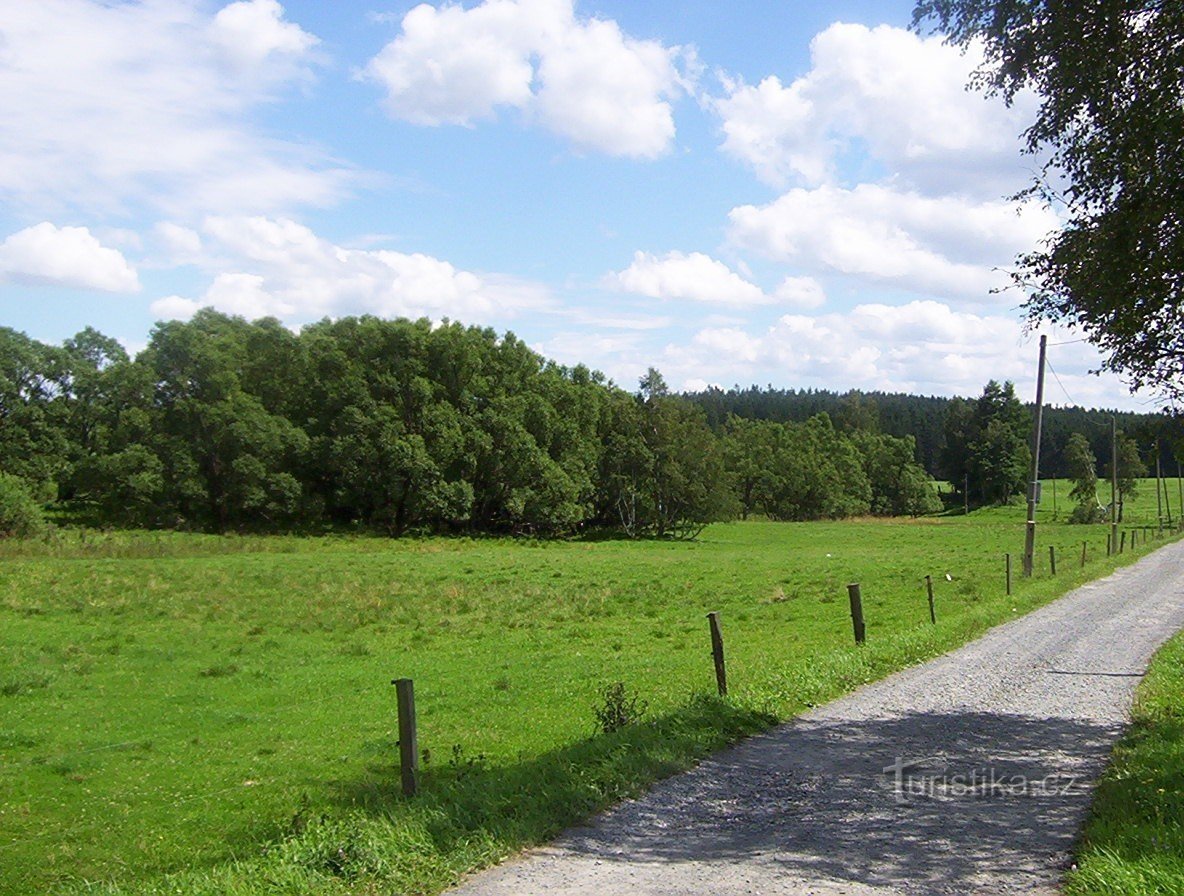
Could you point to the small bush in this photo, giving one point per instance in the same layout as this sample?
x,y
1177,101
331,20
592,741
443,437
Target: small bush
x,y
618,708
1087,513
20,514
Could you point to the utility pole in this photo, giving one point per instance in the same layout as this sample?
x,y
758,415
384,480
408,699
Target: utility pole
x,y
1114,484
1034,481
1158,486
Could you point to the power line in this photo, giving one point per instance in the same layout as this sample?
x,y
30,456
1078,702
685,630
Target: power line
x,y
1058,379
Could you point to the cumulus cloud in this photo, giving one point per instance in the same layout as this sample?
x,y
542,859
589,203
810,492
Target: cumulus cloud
x,y
897,95
694,276
65,256
253,33
943,246
279,268
801,292
111,105
581,78
923,347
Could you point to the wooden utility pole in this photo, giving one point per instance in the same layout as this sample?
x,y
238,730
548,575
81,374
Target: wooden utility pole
x,y
1113,484
1034,480
1180,488
1158,484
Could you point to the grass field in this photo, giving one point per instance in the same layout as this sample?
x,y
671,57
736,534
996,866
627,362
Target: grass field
x,y
196,714
1134,841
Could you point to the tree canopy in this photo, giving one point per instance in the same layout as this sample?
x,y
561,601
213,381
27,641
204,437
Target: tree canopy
x,y
1109,138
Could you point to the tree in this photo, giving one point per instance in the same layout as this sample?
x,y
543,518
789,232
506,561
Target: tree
x,y
1109,137
1130,470
1082,468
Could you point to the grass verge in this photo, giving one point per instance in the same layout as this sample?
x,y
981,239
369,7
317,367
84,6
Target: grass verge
x,y
1134,840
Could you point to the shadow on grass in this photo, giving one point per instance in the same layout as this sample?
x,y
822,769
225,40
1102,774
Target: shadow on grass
x,y
530,802
921,802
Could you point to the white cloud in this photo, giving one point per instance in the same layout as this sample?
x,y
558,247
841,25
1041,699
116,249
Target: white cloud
x,y
65,256
898,95
277,267
922,347
254,33
107,106
801,292
174,308
940,246
581,78
696,277
181,244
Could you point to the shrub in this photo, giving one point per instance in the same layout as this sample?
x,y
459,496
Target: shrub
x,y
618,708
20,514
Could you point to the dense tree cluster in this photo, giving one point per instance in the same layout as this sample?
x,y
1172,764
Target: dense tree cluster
x,y
980,447
221,423
396,426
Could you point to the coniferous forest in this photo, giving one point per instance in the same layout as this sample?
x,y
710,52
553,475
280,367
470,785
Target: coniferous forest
x,y
398,426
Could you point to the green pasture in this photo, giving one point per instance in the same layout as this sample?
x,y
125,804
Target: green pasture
x,y
200,714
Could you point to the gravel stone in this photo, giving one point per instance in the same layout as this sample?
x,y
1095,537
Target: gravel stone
x,y
968,774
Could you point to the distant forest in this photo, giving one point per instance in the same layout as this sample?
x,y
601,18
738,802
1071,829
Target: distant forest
x,y
397,426
925,418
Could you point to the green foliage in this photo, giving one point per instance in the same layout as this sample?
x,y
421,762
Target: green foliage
x,y
20,514
1107,135
1130,470
986,445
618,708
1083,470
1134,839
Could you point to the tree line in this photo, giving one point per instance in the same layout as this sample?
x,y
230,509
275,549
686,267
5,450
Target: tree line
x,y
951,437
397,425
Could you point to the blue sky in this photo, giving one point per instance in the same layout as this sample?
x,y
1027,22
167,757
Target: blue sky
x,y
797,194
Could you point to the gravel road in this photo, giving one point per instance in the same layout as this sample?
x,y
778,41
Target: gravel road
x,y
969,774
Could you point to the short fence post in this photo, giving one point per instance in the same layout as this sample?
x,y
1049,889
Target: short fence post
x,y
717,653
1052,560
408,736
929,589
1007,561
1083,544
1122,541
856,612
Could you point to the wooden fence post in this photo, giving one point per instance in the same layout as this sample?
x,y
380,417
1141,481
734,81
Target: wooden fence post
x,y
929,589
856,612
1007,560
1122,541
717,653
1083,555
1052,560
408,736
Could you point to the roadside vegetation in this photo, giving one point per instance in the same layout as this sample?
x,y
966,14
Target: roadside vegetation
x,y
214,714
1134,841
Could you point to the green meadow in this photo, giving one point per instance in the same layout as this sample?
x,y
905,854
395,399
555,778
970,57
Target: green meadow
x,y
201,714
